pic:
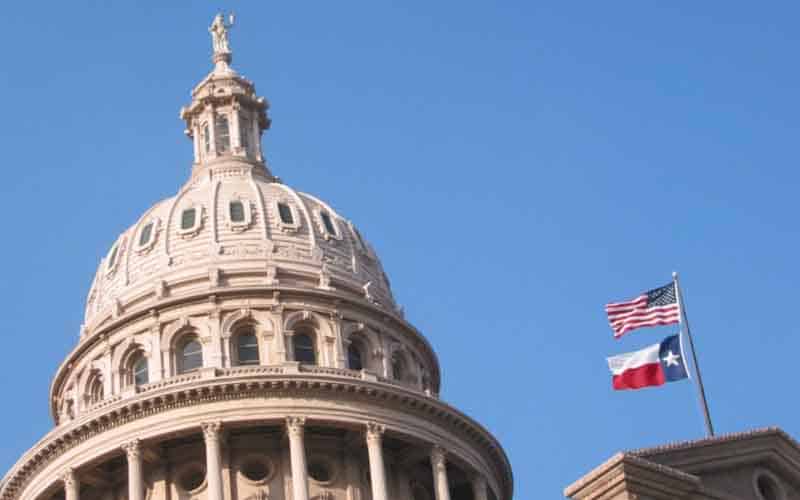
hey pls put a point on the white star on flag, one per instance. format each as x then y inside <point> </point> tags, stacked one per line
<point>671,359</point>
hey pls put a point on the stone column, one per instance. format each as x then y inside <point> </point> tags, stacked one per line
<point>479,488</point>
<point>211,435</point>
<point>133,451</point>
<point>441,486</point>
<point>295,428</point>
<point>72,486</point>
<point>377,469</point>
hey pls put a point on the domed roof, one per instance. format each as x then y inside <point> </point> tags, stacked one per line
<point>233,224</point>
<point>232,227</point>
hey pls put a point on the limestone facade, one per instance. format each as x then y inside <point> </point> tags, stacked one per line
<point>757,465</point>
<point>241,341</point>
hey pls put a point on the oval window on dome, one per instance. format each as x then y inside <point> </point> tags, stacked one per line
<point>285,213</point>
<point>236,211</point>
<point>328,223</point>
<point>112,259</point>
<point>188,218</point>
<point>146,234</point>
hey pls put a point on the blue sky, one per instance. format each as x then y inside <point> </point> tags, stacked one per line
<point>516,165</point>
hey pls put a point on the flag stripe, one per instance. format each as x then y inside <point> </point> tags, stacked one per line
<point>654,307</point>
<point>642,312</point>
<point>644,316</point>
<point>640,325</point>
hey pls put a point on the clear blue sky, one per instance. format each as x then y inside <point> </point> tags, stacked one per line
<point>516,164</point>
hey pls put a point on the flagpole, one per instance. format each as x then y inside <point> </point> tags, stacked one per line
<point>684,322</point>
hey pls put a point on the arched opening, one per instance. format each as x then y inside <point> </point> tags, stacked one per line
<point>355,355</point>
<point>222,134</point>
<point>304,350</point>
<point>140,370</point>
<point>399,368</point>
<point>95,392</point>
<point>190,355</point>
<point>246,345</point>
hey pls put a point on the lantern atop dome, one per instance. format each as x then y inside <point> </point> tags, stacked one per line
<point>225,119</point>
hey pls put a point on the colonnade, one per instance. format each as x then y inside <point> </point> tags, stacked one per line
<point>295,430</point>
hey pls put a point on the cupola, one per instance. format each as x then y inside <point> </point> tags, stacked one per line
<point>226,118</point>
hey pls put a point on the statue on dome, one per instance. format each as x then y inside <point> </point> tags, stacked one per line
<point>219,34</point>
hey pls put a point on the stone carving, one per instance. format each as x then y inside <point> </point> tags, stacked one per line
<point>132,449</point>
<point>375,431</point>
<point>439,458</point>
<point>211,430</point>
<point>219,34</point>
<point>272,273</point>
<point>325,278</point>
<point>295,426</point>
<point>68,478</point>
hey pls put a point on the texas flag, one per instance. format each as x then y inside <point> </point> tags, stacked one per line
<point>652,366</point>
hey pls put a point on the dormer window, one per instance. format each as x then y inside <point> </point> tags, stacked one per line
<point>285,213</point>
<point>328,223</point>
<point>240,217</point>
<point>191,221</point>
<point>288,218</point>
<point>188,219</point>
<point>112,261</point>
<point>236,211</point>
<point>222,134</point>
<point>146,234</point>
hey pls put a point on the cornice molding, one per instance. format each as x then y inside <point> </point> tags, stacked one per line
<point>201,391</point>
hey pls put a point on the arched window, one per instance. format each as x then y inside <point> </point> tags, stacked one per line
<point>355,359</point>
<point>139,370</point>
<point>247,347</point>
<point>95,394</point>
<point>304,351</point>
<point>190,355</point>
<point>222,134</point>
<point>398,367</point>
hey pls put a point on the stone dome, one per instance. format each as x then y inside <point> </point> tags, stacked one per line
<point>234,225</point>
<point>241,342</point>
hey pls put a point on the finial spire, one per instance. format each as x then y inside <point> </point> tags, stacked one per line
<point>219,39</point>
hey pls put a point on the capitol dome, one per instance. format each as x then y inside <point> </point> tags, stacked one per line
<point>241,342</point>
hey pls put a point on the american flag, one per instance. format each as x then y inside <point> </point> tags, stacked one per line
<point>656,307</point>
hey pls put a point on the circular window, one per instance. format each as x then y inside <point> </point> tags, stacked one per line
<point>767,486</point>
<point>192,478</point>
<point>255,470</point>
<point>320,471</point>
